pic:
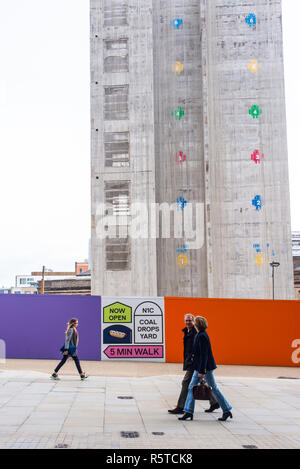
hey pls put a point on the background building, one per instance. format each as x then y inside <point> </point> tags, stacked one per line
<point>296,243</point>
<point>68,283</point>
<point>81,267</point>
<point>19,291</point>
<point>27,290</point>
<point>296,261</point>
<point>187,105</point>
<point>79,285</point>
<point>23,281</point>
<point>76,282</point>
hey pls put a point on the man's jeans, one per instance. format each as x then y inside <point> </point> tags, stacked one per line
<point>185,388</point>
<point>209,377</point>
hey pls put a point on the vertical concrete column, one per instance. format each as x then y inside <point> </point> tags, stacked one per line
<point>249,188</point>
<point>115,27</point>
<point>181,268</point>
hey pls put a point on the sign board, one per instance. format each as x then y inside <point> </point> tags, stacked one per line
<point>133,329</point>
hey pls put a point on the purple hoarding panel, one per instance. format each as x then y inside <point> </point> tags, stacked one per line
<point>33,326</point>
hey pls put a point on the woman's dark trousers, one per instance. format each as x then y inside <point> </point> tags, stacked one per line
<point>63,361</point>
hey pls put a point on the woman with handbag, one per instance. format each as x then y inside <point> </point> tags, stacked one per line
<point>204,364</point>
<point>69,349</point>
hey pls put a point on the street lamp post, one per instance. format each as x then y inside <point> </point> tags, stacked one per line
<point>274,265</point>
<point>43,281</point>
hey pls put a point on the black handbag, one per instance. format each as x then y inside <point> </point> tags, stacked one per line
<point>202,392</point>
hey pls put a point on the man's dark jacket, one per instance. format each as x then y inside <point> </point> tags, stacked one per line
<point>203,359</point>
<point>188,342</point>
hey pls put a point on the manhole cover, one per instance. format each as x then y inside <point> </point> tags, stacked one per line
<point>286,377</point>
<point>130,434</point>
<point>125,397</point>
<point>158,433</point>
<point>61,446</point>
<point>250,447</point>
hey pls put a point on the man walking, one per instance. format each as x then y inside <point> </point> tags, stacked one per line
<point>188,341</point>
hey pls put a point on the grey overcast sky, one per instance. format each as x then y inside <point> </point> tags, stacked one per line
<point>44,132</point>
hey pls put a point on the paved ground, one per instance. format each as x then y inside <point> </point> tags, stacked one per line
<point>137,369</point>
<point>36,412</point>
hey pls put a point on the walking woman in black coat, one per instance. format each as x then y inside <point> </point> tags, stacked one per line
<point>204,364</point>
<point>188,340</point>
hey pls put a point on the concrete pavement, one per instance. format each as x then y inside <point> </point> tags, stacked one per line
<point>36,412</point>
<point>143,369</point>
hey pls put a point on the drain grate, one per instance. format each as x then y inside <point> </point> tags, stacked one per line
<point>130,434</point>
<point>286,377</point>
<point>158,433</point>
<point>61,446</point>
<point>250,447</point>
<point>125,397</point>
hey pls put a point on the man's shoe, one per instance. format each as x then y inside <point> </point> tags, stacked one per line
<point>177,410</point>
<point>213,407</point>
<point>83,377</point>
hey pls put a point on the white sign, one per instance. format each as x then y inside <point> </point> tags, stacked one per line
<point>148,323</point>
<point>132,329</point>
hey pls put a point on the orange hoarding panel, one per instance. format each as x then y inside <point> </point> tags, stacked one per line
<point>242,332</point>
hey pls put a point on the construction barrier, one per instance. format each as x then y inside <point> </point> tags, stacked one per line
<point>32,326</point>
<point>242,332</point>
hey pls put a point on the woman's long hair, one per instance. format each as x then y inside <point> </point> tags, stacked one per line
<point>71,323</point>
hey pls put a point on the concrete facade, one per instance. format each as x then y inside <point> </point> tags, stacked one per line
<point>187,105</point>
<point>244,69</point>
<point>113,21</point>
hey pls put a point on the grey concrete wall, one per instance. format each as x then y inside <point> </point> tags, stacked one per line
<point>174,179</point>
<point>233,135</point>
<point>216,88</point>
<point>140,279</point>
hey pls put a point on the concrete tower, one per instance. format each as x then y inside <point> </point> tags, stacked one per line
<point>188,107</point>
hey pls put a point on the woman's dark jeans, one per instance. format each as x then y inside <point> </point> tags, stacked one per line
<point>63,361</point>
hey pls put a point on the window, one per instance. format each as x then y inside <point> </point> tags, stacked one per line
<point>115,12</point>
<point>117,254</point>
<point>116,102</point>
<point>116,149</point>
<point>116,56</point>
<point>23,281</point>
<point>117,249</point>
<point>117,195</point>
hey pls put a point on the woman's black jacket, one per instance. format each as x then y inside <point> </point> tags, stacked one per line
<point>203,359</point>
